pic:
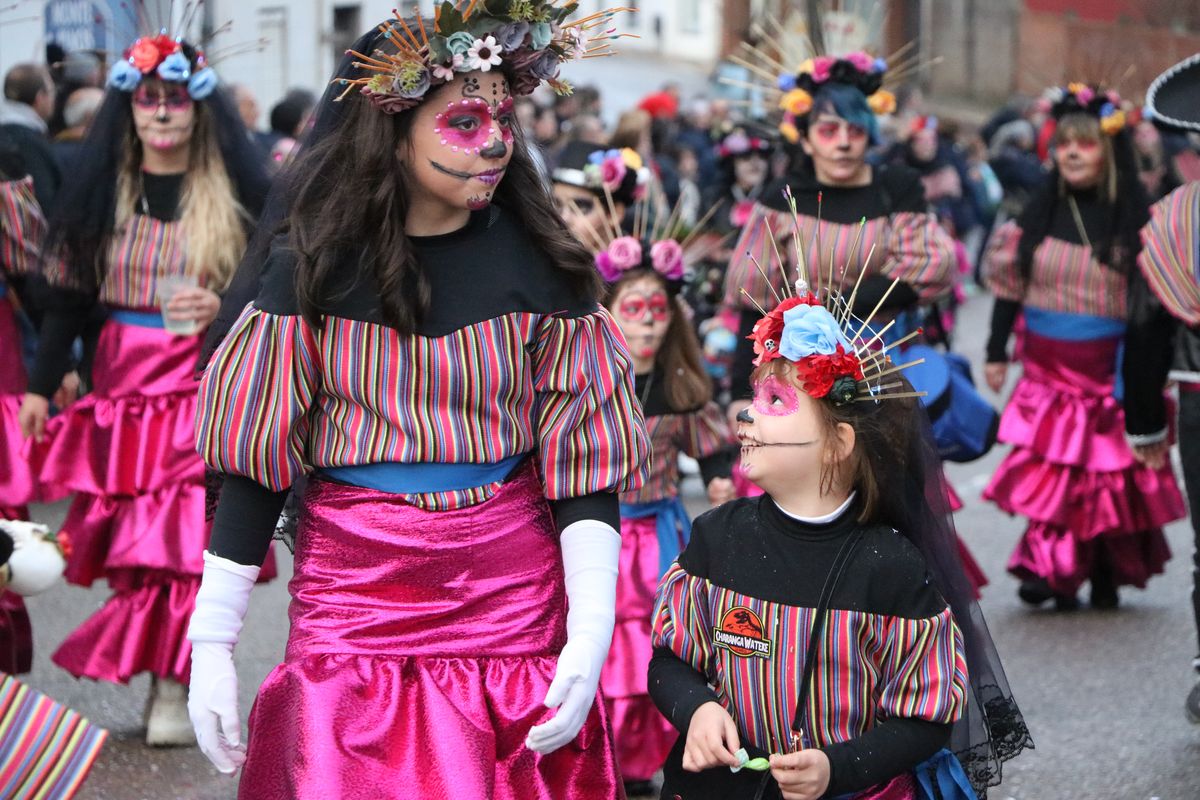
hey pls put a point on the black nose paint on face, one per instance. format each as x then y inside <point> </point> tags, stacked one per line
<point>495,149</point>
<point>744,416</point>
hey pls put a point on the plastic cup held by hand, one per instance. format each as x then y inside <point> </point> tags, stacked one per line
<point>168,286</point>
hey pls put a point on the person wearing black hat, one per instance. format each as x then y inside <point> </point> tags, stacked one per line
<point>586,176</point>
<point>1164,323</point>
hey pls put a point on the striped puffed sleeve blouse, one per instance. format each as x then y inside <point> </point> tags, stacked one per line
<point>732,621</point>
<point>506,362</point>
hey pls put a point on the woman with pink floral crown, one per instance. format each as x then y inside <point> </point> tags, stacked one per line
<point>416,333</point>
<point>644,272</point>
<point>1095,513</point>
<point>151,227</point>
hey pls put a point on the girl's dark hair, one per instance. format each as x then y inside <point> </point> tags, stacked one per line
<point>687,385</point>
<point>349,181</point>
<point>1121,193</point>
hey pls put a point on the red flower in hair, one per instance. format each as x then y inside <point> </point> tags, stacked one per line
<point>148,52</point>
<point>769,329</point>
<point>818,373</point>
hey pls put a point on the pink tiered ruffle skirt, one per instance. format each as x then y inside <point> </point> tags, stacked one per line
<point>1073,476</point>
<point>643,736</point>
<point>137,519</point>
<point>17,486</point>
<point>422,645</point>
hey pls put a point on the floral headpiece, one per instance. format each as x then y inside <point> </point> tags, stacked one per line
<point>607,169</point>
<point>659,240</point>
<point>859,70</point>
<point>836,355</point>
<point>165,57</point>
<point>1080,98</point>
<point>532,37</point>
<point>739,142</point>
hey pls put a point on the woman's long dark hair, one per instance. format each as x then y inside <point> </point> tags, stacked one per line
<point>84,209</point>
<point>348,185</point>
<point>1124,199</point>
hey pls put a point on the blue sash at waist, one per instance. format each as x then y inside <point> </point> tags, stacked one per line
<point>1080,328</point>
<point>941,770</point>
<point>671,523</point>
<point>420,477</point>
<point>1072,327</point>
<point>142,319</point>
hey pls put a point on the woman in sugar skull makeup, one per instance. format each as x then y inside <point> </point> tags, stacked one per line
<point>416,331</point>
<point>645,273</point>
<point>1095,512</point>
<point>163,193</point>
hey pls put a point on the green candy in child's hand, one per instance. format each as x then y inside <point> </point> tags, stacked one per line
<point>746,762</point>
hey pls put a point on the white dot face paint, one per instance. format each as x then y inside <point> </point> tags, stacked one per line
<point>462,139</point>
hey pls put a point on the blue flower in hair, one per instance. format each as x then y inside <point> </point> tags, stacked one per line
<point>600,156</point>
<point>1107,109</point>
<point>124,76</point>
<point>540,35</point>
<point>881,65</point>
<point>786,82</point>
<point>202,83</point>
<point>175,68</point>
<point>809,330</point>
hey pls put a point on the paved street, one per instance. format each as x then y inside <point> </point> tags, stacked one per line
<point>1102,691</point>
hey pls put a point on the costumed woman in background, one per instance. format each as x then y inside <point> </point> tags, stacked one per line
<point>1095,514</point>
<point>440,363</point>
<point>820,640</point>
<point>1163,335</point>
<point>161,198</point>
<point>594,187</point>
<point>644,272</point>
<point>22,229</point>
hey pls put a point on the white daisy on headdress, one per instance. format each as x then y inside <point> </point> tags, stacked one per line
<point>484,54</point>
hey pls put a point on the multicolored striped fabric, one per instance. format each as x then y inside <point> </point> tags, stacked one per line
<point>908,246</point>
<point>46,749</point>
<point>1170,257</point>
<point>869,667</point>
<point>698,434</point>
<point>22,227</point>
<point>1065,277</point>
<point>146,252</point>
<point>279,399</point>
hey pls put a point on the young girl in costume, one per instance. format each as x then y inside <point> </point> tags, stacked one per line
<point>810,642</point>
<point>1095,514</point>
<point>163,192</point>
<point>593,187</point>
<point>423,339</point>
<point>644,273</point>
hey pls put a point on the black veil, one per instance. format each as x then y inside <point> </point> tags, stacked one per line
<point>915,501</point>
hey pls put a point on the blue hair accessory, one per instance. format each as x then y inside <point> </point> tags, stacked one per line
<point>124,76</point>
<point>202,83</point>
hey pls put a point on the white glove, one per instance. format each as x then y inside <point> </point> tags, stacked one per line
<point>212,697</point>
<point>36,563</point>
<point>591,551</point>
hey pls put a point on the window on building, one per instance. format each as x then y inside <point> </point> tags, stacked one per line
<point>689,16</point>
<point>347,25</point>
<point>273,77</point>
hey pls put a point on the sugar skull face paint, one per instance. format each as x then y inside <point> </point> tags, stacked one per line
<point>838,150</point>
<point>462,139</point>
<point>775,398</point>
<point>643,313</point>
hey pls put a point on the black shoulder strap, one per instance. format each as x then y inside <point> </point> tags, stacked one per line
<point>840,562</point>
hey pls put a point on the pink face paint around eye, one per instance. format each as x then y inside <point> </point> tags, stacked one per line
<point>466,124</point>
<point>775,398</point>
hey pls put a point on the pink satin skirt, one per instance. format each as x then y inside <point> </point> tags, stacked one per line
<point>1073,476</point>
<point>137,520</point>
<point>643,736</point>
<point>422,645</point>
<point>17,486</point>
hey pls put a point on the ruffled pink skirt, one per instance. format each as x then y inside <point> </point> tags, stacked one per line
<point>127,451</point>
<point>422,645</point>
<point>1073,476</point>
<point>643,736</point>
<point>17,486</point>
